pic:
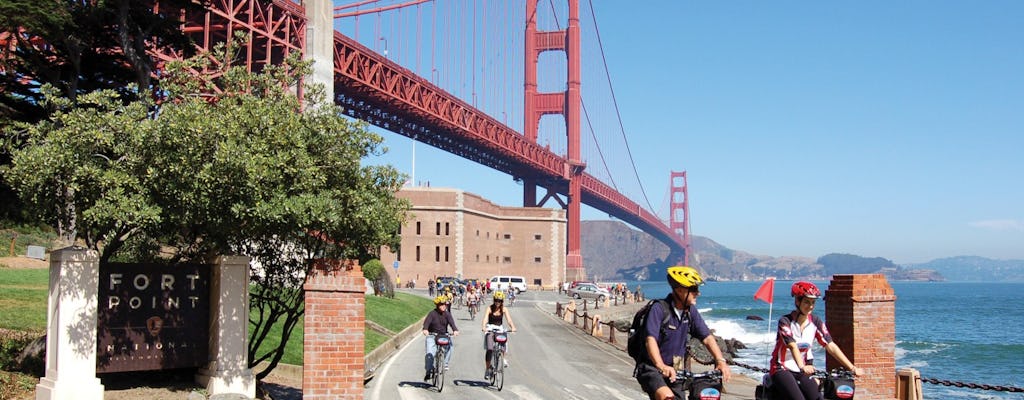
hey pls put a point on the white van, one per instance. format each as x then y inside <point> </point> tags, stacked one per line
<point>501,282</point>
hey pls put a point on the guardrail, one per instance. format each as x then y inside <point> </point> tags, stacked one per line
<point>592,323</point>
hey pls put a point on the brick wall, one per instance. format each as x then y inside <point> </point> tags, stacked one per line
<point>459,233</point>
<point>333,345</point>
<point>860,314</point>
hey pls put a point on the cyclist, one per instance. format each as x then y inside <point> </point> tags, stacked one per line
<point>510,293</point>
<point>437,323</point>
<point>496,315</point>
<point>666,345</point>
<point>792,361</point>
<point>472,299</point>
<point>448,293</point>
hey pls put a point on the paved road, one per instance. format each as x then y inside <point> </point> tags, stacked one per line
<point>549,359</point>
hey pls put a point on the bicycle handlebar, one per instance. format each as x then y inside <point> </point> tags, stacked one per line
<point>841,373</point>
<point>713,374</point>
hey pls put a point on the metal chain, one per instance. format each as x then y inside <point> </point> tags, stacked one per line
<point>999,388</point>
<point>750,367</point>
<point>933,381</point>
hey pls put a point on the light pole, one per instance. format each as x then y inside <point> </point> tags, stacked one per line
<point>385,40</point>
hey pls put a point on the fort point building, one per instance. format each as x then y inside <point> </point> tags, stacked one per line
<point>451,232</point>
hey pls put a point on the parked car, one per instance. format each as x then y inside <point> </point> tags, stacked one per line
<point>447,280</point>
<point>589,291</point>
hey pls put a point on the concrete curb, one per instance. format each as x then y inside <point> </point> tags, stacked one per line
<point>386,349</point>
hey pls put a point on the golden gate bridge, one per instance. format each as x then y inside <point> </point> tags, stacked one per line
<point>503,84</point>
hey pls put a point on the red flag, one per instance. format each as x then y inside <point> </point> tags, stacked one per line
<point>765,292</point>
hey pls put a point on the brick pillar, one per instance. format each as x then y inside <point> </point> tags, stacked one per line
<point>860,312</point>
<point>334,322</point>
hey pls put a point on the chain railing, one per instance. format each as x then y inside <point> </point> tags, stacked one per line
<point>999,388</point>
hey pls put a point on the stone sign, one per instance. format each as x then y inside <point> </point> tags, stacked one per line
<point>152,317</point>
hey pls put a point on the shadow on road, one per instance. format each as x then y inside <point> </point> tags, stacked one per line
<point>417,384</point>
<point>460,382</point>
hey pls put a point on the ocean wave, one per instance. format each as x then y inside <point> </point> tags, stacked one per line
<point>729,329</point>
<point>905,348</point>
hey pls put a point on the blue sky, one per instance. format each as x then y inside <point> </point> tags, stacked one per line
<point>876,128</point>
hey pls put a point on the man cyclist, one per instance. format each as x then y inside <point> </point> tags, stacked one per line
<point>437,323</point>
<point>666,344</point>
<point>497,314</point>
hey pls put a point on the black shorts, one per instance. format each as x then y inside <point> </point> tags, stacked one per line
<point>651,379</point>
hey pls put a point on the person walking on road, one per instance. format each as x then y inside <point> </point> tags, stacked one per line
<point>437,323</point>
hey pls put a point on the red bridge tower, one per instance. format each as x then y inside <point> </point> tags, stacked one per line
<point>565,103</point>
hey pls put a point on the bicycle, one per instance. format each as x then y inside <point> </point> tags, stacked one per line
<point>443,345</point>
<point>473,309</point>
<point>700,386</point>
<point>457,301</point>
<point>837,384</point>
<point>497,361</point>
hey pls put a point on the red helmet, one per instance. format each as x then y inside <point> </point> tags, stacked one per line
<point>805,289</point>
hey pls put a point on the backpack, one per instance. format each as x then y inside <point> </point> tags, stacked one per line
<point>636,345</point>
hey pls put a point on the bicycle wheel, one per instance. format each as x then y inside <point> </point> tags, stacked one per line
<point>439,369</point>
<point>497,369</point>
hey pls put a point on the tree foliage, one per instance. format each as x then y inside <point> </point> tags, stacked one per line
<point>250,170</point>
<point>373,270</point>
<point>76,47</point>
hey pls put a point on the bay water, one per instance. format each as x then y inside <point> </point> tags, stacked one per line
<point>971,332</point>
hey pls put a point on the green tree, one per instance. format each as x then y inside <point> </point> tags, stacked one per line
<point>247,168</point>
<point>76,47</point>
<point>373,269</point>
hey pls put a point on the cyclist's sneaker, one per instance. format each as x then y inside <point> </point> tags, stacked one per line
<point>487,374</point>
<point>505,362</point>
<point>427,376</point>
<point>446,367</point>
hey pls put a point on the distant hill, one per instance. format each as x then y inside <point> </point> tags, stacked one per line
<point>613,250</point>
<point>973,268</point>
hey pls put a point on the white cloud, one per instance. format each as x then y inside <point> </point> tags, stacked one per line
<point>999,224</point>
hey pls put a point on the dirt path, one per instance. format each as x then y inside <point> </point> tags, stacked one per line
<point>20,262</point>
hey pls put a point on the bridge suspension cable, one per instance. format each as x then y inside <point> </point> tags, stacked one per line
<point>618,114</point>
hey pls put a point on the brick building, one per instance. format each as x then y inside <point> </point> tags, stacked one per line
<point>454,233</point>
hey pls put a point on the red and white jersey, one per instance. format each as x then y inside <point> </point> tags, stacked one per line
<point>791,332</point>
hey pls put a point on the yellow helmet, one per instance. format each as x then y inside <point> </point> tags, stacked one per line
<point>440,300</point>
<point>684,276</point>
<point>499,295</point>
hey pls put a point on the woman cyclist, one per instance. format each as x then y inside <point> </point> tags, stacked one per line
<point>792,361</point>
<point>437,323</point>
<point>496,313</point>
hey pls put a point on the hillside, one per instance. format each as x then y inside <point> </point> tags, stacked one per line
<point>613,250</point>
<point>972,268</point>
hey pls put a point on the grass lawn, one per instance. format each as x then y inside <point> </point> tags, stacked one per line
<point>394,314</point>
<point>23,296</point>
